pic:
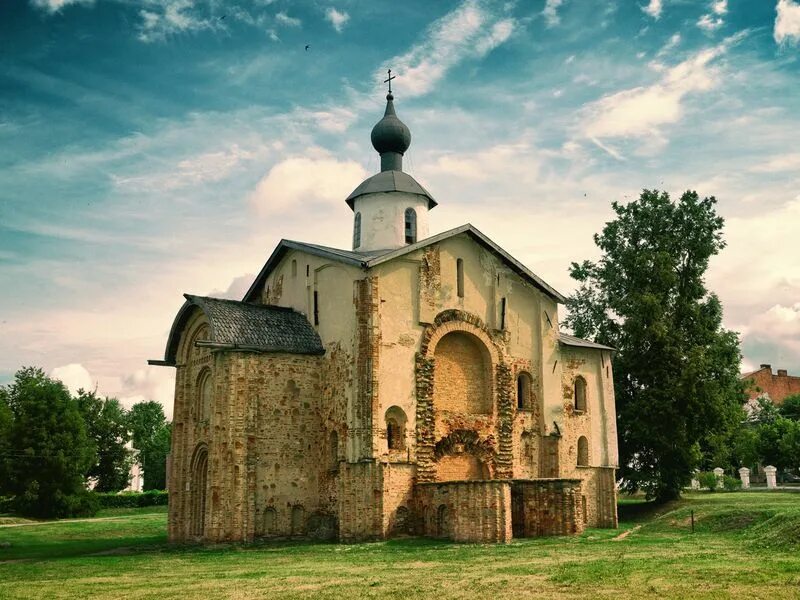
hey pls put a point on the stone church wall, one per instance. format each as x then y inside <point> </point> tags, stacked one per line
<point>465,511</point>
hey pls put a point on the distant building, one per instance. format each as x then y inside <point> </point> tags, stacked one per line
<point>763,384</point>
<point>136,475</point>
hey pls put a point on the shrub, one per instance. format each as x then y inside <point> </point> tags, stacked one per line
<point>731,484</point>
<point>134,499</point>
<point>60,506</point>
<point>6,505</point>
<point>708,480</point>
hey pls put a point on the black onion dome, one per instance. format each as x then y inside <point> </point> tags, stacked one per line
<point>390,134</point>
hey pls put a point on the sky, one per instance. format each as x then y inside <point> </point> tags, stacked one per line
<point>152,148</point>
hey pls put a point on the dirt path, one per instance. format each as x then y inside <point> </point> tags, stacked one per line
<point>625,534</point>
<point>92,520</point>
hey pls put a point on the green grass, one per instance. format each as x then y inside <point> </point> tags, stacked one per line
<point>744,545</point>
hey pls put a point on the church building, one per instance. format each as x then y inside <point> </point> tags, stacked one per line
<point>414,384</point>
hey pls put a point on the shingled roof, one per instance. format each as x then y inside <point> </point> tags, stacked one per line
<point>245,327</point>
<point>571,340</point>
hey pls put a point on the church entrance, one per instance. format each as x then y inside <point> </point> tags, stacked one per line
<point>198,491</point>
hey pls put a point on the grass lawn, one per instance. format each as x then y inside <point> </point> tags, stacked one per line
<point>746,545</point>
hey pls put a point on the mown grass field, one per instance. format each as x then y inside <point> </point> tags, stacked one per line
<point>746,545</point>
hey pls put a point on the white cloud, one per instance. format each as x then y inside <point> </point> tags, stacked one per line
<point>194,170</point>
<point>643,111</point>
<point>787,22</point>
<point>671,44</point>
<point>653,9</point>
<point>164,18</point>
<point>337,19</point>
<point>550,12</point>
<point>299,183</point>
<point>75,376</point>
<point>719,7</point>
<point>781,163</point>
<point>470,31</point>
<point>53,6</point>
<point>286,20</point>
<point>710,23</point>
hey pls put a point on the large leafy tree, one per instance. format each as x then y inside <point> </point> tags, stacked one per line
<point>151,436</point>
<point>5,439</point>
<point>49,450</point>
<point>676,370</point>
<point>107,426</point>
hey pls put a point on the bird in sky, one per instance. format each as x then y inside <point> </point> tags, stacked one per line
<point>307,47</point>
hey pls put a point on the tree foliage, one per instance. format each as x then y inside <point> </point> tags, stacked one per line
<point>152,437</point>
<point>676,370</point>
<point>107,426</point>
<point>790,407</point>
<point>48,451</point>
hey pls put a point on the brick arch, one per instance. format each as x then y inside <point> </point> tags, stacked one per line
<point>501,394</point>
<point>449,321</point>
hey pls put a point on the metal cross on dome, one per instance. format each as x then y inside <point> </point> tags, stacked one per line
<point>389,80</point>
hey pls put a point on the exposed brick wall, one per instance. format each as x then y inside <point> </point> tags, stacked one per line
<point>461,378</point>
<point>361,514</point>
<point>776,386</point>
<point>458,467</point>
<point>474,511</point>
<point>368,337</point>
<point>599,488</point>
<point>547,507</point>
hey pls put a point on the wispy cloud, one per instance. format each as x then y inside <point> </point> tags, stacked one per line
<point>53,6</point>
<point>164,18</point>
<point>470,31</point>
<point>284,19</point>
<point>777,164</point>
<point>337,19</point>
<point>653,9</point>
<point>550,12</point>
<point>787,22</point>
<point>642,112</point>
<point>714,19</point>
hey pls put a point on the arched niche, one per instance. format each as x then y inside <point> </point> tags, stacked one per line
<point>580,394</point>
<point>198,488</point>
<point>462,374</point>
<point>583,451</point>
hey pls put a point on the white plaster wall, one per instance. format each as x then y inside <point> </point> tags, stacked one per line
<point>383,219</point>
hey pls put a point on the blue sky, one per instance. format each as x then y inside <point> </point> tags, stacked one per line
<point>157,147</point>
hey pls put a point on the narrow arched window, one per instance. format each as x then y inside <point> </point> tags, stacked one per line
<point>294,268</point>
<point>460,277</point>
<point>523,391</point>
<point>580,394</point>
<point>411,226</point>
<point>583,452</point>
<point>357,231</point>
<point>395,429</point>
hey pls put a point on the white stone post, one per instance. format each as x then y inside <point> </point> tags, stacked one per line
<point>770,472</point>
<point>719,473</point>
<point>744,475</point>
<point>695,482</point>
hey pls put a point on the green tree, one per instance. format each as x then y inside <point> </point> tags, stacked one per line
<point>151,436</point>
<point>779,443</point>
<point>676,370</point>
<point>154,458</point>
<point>6,420</point>
<point>50,451</point>
<point>107,426</point>
<point>144,420</point>
<point>790,408</point>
